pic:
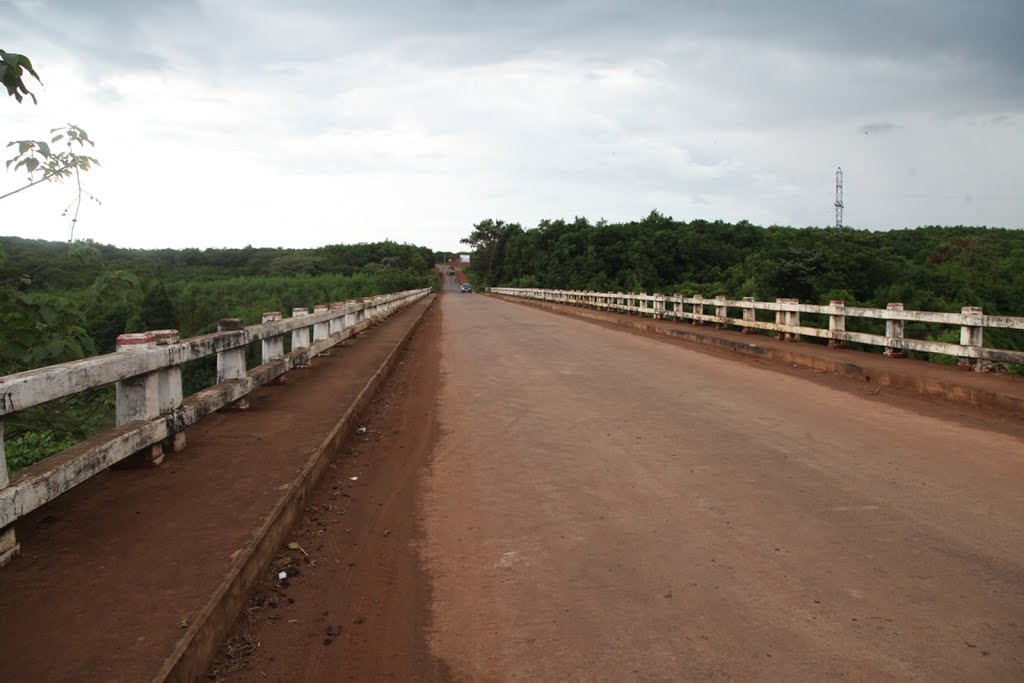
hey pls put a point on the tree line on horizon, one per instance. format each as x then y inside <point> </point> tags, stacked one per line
<point>929,268</point>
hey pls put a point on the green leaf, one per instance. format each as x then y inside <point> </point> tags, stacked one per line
<point>48,315</point>
<point>27,63</point>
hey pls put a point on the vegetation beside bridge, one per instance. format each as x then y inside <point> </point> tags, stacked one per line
<point>61,302</point>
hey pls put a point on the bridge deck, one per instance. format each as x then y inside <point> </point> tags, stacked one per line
<point>544,498</point>
<point>111,571</point>
<point>605,506</point>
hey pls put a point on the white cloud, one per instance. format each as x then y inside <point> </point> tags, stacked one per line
<point>302,125</point>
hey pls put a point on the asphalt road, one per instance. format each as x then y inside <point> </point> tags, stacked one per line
<point>606,506</point>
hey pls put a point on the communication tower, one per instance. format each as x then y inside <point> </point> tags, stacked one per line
<point>839,198</point>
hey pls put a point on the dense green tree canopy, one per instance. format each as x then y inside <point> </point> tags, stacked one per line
<point>928,268</point>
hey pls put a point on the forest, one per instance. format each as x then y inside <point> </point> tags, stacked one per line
<point>928,268</point>
<point>61,302</point>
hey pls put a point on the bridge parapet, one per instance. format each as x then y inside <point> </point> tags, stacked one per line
<point>971,320</point>
<point>151,412</point>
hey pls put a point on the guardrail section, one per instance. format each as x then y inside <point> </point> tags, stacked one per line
<point>971,320</point>
<point>151,411</point>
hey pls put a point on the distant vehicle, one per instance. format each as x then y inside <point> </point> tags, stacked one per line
<point>467,288</point>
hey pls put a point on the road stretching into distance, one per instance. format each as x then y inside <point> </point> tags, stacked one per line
<point>603,505</point>
<point>599,505</point>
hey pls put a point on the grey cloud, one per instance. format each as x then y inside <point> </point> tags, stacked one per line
<point>878,128</point>
<point>980,32</point>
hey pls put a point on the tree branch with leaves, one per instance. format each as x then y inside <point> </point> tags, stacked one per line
<point>12,71</point>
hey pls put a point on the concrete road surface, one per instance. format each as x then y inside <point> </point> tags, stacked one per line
<point>605,506</point>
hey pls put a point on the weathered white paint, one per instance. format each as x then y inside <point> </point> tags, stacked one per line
<point>335,324</point>
<point>836,323</point>
<point>33,387</point>
<point>272,347</point>
<point>971,320</point>
<point>300,336</point>
<point>138,397</point>
<point>351,310</point>
<point>230,362</point>
<point>321,330</point>
<point>749,314</point>
<point>150,409</point>
<point>168,378</point>
<point>971,331</point>
<point>894,333</point>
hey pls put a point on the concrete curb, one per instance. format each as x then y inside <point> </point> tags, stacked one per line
<point>195,650</point>
<point>845,367</point>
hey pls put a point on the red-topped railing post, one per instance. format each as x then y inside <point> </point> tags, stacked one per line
<point>138,397</point>
<point>169,387</point>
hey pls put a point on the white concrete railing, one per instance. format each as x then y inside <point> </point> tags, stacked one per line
<point>151,411</point>
<point>970,320</point>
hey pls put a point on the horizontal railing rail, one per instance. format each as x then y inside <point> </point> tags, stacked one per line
<point>151,411</point>
<point>971,320</point>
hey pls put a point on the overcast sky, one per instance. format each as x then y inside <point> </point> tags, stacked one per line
<point>226,123</point>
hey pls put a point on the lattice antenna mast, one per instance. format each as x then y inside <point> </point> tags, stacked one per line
<point>839,198</point>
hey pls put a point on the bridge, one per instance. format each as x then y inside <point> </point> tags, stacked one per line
<point>530,484</point>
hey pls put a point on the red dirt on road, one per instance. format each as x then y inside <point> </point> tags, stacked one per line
<point>565,501</point>
<point>112,571</point>
<point>359,572</point>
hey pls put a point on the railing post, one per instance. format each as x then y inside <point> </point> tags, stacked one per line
<point>659,305</point>
<point>321,331</point>
<point>273,347</point>
<point>781,318</point>
<point>169,387</point>
<point>335,326</point>
<point>9,547</point>
<point>749,315</point>
<point>793,318</point>
<point>698,309</point>
<point>231,362</point>
<point>350,314</point>
<point>300,336</point>
<point>971,334</point>
<point>837,324</point>
<point>721,311</point>
<point>894,333</point>
<point>138,398</point>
